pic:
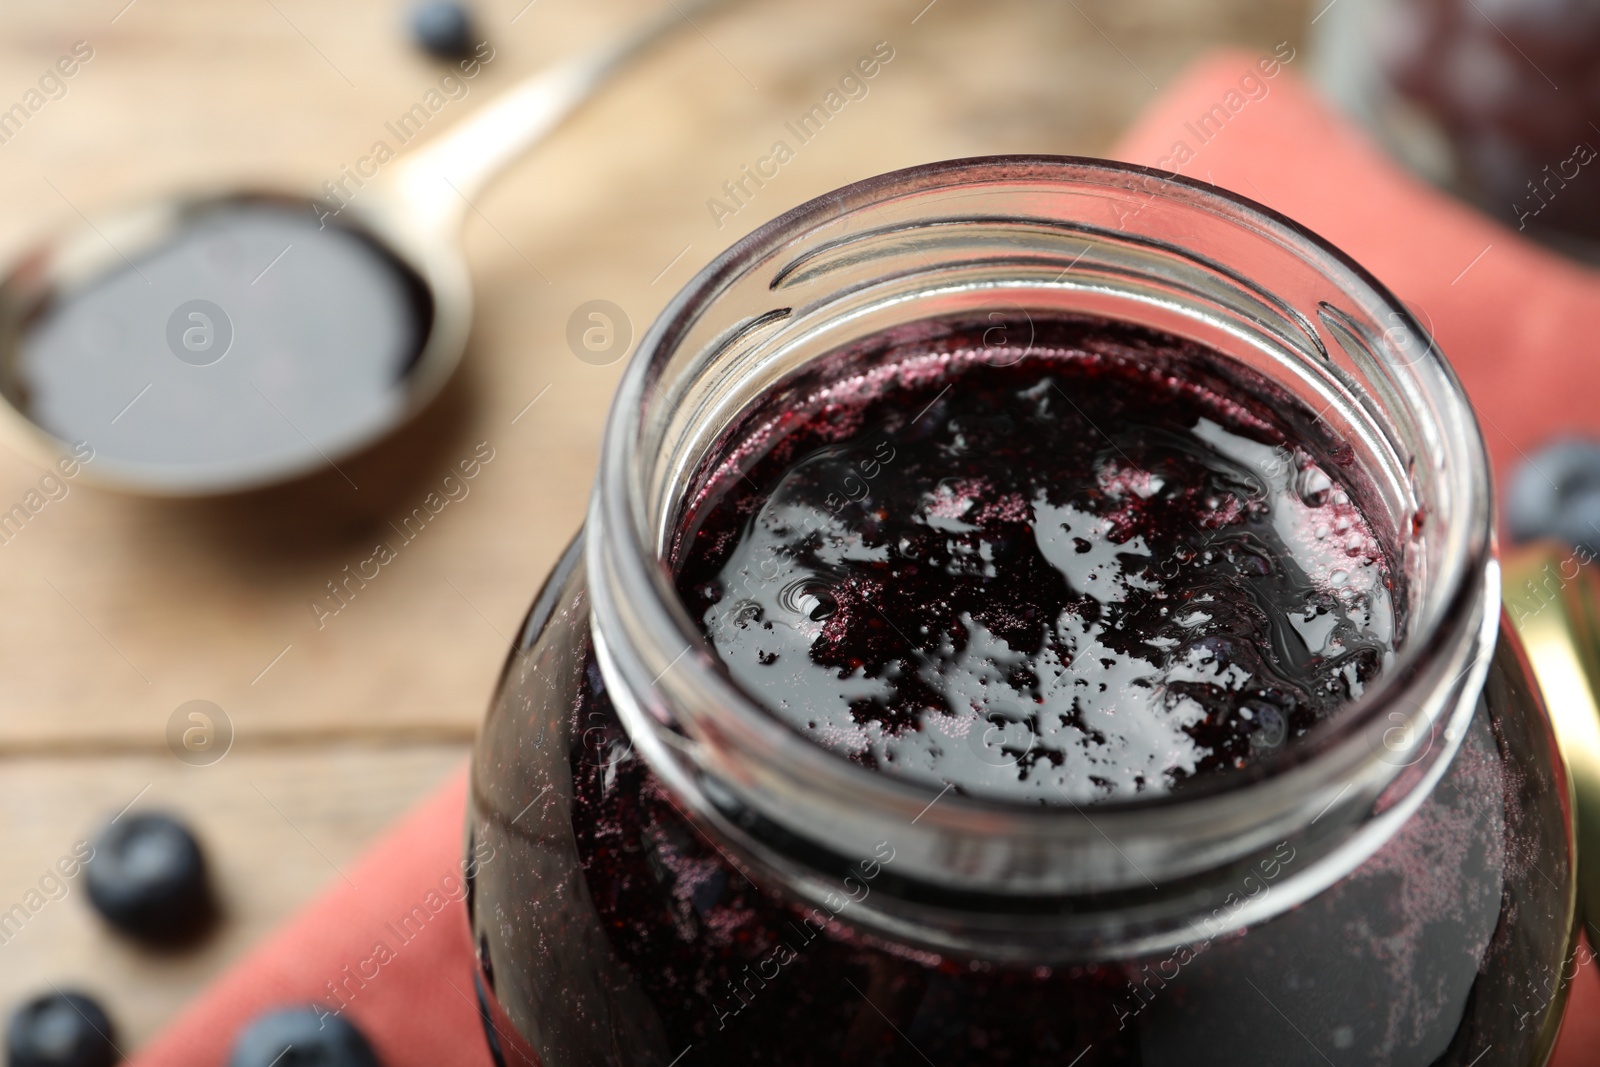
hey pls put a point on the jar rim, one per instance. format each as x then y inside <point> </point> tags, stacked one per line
<point>634,593</point>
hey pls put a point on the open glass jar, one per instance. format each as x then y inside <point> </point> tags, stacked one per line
<point>683,877</point>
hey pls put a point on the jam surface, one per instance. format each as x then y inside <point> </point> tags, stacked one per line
<point>1098,565</point>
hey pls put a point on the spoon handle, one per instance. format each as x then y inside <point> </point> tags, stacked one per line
<point>437,183</point>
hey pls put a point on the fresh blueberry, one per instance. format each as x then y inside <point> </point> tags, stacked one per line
<point>60,1030</point>
<point>301,1037</point>
<point>1556,494</point>
<point>442,28</point>
<point>148,879</point>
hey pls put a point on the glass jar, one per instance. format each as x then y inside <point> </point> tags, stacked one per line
<point>680,878</point>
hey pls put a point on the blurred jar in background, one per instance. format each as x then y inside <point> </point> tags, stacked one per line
<point>1496,100</point>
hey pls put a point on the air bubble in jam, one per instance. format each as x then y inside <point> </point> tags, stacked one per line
<point>1102,571</point>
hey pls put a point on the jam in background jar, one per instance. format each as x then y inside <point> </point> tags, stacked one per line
<point>1498,100</point>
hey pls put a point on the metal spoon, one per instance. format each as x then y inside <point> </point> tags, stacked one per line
<point>220,342</point>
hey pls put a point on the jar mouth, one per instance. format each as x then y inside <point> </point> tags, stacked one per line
<point>1371,351</point>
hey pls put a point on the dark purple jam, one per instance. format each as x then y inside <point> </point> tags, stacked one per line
<point>1111,566</point>
<point>1115,566</point>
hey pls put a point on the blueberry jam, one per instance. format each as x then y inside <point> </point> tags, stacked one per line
<point>1108,567</point>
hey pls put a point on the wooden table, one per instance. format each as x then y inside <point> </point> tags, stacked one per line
<point>119,610</point>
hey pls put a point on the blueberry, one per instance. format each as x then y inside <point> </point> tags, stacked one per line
<point>442,28</point>
<point>60,1030</point>
<point>148,879</point>
<point>301,1037</point>
<point>1556,494</point>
